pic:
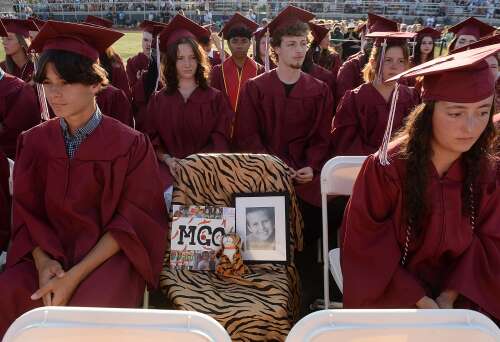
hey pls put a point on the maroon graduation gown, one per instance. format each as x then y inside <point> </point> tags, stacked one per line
<point>136,66</point>
<point>450,255</point>
<point>19,111</point>
<point>349,75</point>
<point>199,125</point>
<point>25,73</point>
<point>361,119</point>
<point>293,128</point>
<point>120,79</point>
<point>111,185</point>
<point>113,102</point>
<point>4,202</point>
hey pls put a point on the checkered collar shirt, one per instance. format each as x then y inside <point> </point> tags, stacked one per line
<point>2,73</point>
<point>73,141</point>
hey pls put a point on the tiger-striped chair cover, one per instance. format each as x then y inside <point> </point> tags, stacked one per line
<point>264,304</point>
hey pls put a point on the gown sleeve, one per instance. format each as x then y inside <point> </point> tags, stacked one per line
<point>31,227</point>
<point>139,224</point>
<point>370,252</point>
<point>476,274</point>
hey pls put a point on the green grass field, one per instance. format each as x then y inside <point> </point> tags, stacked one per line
<point>128,46</point>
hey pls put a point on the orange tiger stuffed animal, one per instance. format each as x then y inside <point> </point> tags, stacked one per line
<point>230,260</point>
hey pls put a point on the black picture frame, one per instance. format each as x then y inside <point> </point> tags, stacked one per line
<point>280,254</point>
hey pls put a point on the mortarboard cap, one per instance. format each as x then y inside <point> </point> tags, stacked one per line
<point>152,27</point>
<point>289,16</point>
<point>181,27</point>
<point>19,26</point>
<point>85,40</point>
<point>377,23</point>
<point>361,28</point>
<point>91,19</point>
<point>318,31</point>
<point>480,43</point>
<point>462,77</point>
<point>391,37</point>
<point>472,27</point>
<point>428,32</point>
<point>3,31</point>
<point>237,20</point>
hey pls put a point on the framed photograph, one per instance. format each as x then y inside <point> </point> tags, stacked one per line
<point>262,223</point>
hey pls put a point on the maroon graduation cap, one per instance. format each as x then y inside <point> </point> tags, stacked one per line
<point>92,19</point>
<point>19,26</point>
<point>428,32</point>
<point>376,23</point>
<point>181,27</point>
<point>237,20</point>
<point>289,16</point>
<point>462,77</point>
<point>152,27</point>
<point>318,31</point>
<point>86,40</point>
<point>472,27</point>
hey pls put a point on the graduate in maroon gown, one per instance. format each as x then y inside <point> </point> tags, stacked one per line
<point>318,72</point>
<point>89,220</point>
<point>467,32</point>
<point>322,53</point>
<point>138,64</point>
<point>350,75</point>
<point>230,76</point>
<point>285,112</point>
<point>5,202</point>
<point>17,61</point>
<point>422,227</point>
<point>359,124</point>
<point>18,108</point>
<point>110,59</point>
<point>187,116</point>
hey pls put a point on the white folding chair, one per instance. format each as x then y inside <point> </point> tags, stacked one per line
<point>78,324</point>
<point>395,326</point>
<point>337,178</point>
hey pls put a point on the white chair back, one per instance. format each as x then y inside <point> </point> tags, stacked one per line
<point>72,324</point>
<point>395,326</point>
<point>337,178</point>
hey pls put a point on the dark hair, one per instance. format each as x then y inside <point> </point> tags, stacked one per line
<point>9,62</point>
<point>238,31</point>
<point>415,148</point>
<point>169,65</point>
<point>71,67</point>
<point>205,40</point>
<point>417,58</point>
<point>371,68</point>
<point>296,29</point>
<point>308,61</point>
<point>108,59</point>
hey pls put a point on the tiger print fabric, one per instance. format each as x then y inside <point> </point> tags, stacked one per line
<point>263,304</point>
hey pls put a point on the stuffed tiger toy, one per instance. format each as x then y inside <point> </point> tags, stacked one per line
<point>230,260</point>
